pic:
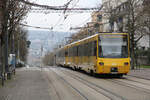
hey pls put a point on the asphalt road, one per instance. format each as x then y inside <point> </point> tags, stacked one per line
<point>56,83</point>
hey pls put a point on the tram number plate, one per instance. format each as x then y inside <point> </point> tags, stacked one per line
<point>114,70</point>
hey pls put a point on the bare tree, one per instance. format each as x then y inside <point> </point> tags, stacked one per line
<point>49,59</point>
<point>21,48</point>
<point>13,13</point>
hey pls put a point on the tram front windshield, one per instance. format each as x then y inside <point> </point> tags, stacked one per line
<point>113,46</point>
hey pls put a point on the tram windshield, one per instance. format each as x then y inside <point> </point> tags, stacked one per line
<point>113,46</point>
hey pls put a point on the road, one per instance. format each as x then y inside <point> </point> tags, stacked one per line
<point>57,83</point>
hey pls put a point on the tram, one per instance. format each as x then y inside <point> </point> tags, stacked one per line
<point>103,53</point>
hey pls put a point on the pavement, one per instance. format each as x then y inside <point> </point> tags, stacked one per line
<point>26,85</point>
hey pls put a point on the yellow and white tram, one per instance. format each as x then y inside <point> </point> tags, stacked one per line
<point>103,53</point>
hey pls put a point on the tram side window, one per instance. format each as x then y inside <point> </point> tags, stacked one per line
<point>80,50</point>
<point>72,51</point>
<point>75,51</point>
<point>95,48</point>
<point>66,53</point>
<point>81,53</point>
<point>90,49</point>
<point>85,49</point>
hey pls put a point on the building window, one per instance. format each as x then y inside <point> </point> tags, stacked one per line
<point>99,18</point>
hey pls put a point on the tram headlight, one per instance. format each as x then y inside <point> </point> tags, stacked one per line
<point>101,63</point>
<point>126,63</point>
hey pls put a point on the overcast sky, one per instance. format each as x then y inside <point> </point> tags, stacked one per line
<point>56,20</point>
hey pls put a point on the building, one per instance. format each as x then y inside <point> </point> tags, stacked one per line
<point>90,28</point>
<point>112,3</point>
<point>108,6</point>
<point>115,18</point>
<point>96,23</point>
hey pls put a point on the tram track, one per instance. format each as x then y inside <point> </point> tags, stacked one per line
<point>99,89</point>
<point>139,77</point>
<point>131,85</point>
<point>53,87</point>
<point>134,80</point>
<point>121,83</point>
<point>76,90</point>
<point>128,82</point>
<point>125,84</point>
<point>66,82</point>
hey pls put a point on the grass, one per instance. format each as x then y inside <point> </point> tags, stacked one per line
<point>144,66</point>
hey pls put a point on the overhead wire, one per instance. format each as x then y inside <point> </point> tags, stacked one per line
<point>57,8</point>
<point>41,6</point>
<point>47,7</point>
<point>37,27</point>
<point>73,5</point>
<point>59,20</point>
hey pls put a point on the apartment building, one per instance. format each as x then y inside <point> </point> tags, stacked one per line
<point>96,23</point>
<point>115,18</point>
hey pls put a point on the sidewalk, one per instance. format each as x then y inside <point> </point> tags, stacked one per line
<point>28,85</point>
<point>141,73</point>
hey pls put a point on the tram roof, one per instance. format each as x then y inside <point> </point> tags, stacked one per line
<point>101,33</point>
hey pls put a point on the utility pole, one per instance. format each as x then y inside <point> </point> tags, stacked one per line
<point>149,39</point>
<point>41,56</point>
<point>149,35</point>
<point>6,52</point>
<point>13,52</point>
<point>2,61</point>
